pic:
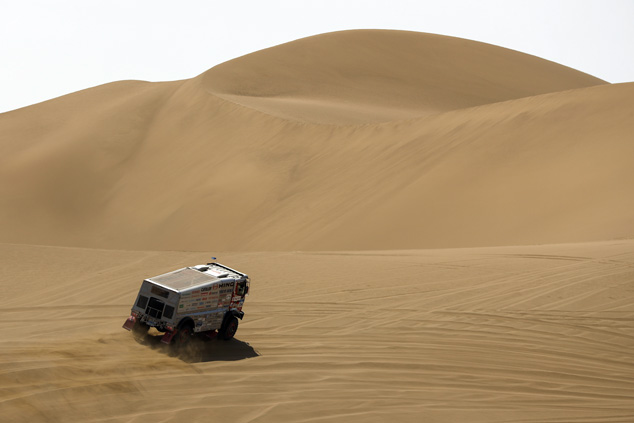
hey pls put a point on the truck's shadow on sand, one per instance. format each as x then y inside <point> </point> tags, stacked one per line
<point>202,350</point>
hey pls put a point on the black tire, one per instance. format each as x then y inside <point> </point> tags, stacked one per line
<point>183,337</point>
<point>229,328</point>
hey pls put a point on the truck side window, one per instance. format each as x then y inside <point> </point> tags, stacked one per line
<point>241,288</point>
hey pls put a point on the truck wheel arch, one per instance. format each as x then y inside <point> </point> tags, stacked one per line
<point>228,315</point>
<point>186,321</point>
<point>236,313</point>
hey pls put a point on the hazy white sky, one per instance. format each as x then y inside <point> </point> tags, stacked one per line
<point>50,48</point>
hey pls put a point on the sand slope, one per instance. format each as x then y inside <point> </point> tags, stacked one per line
<point>177,165</point>
<point>514,334</point>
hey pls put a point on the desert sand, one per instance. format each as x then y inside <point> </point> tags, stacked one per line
<point>436,229</point>
<point>498,334</point>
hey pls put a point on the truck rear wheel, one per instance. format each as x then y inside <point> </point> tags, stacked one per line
<point>183,337</point>
<point>228,330</point>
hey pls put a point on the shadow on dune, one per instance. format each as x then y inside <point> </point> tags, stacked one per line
<point>201,349</point>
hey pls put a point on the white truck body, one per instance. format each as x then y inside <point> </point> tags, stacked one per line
<point>201,296</point>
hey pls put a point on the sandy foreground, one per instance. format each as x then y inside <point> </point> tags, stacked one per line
<point>505,334</point>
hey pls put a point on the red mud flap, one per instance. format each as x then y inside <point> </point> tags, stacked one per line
<point>167,338</point>
<point>129,324</point>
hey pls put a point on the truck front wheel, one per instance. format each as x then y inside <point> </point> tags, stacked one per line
<point>229,329</point>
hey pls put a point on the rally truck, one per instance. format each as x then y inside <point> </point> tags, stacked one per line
<point>206,298</point>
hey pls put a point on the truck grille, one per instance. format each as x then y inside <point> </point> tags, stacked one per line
<point>155,308</point>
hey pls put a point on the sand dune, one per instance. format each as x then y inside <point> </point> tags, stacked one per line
<point>371,76</point>
<point>169,166</point>
<point>243,157</point>
<point>510,334</point>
